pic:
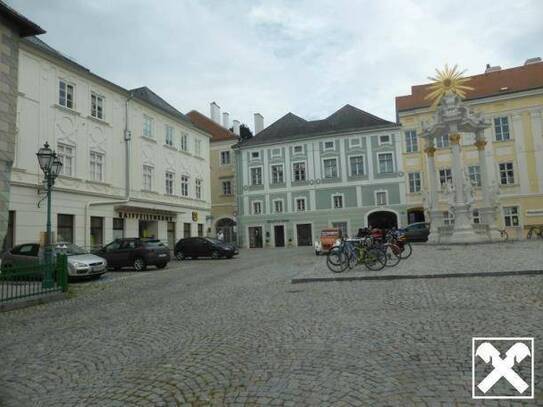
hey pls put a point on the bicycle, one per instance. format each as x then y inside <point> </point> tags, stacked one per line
<point>504,235</point>
<point>535,232</point>
<point>347,255</point>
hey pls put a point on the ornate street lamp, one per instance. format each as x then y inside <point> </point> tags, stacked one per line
<point>51,166</point>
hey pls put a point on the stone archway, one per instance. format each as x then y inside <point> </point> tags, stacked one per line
<point>228,228</point>
<point>382,219</point>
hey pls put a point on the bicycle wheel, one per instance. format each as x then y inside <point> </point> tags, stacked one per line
<point>504,235</point>
<point>375,259</point>
<point>532,234</point>
<point>336,260</point>
<point>407,250</point>
<point>393,253</point>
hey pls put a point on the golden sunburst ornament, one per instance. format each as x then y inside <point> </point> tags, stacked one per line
<point>447,80</point>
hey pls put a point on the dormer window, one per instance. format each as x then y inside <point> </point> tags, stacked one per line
<point>385,139</point>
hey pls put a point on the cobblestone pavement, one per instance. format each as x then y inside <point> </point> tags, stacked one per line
<point>236,332</point>
<point>429,259</point>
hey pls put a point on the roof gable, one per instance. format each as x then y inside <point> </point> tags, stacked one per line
<point>217,132</point>
<point>291,126</point>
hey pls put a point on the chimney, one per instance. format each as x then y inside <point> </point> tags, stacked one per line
<point>226,120</point>
<point>259,123</point>
<point>215,112</point>
<point>235,124</point>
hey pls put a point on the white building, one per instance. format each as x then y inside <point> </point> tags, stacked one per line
<point>133,165</point>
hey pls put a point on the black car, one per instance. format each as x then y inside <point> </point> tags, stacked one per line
<point>195,247</point>
<point>417,232</point>
<point>135,252</point>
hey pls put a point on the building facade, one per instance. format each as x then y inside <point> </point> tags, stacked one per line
<point>224,208</point>
<point>13,26</point>
<point>297,177</point>
<point>512,101</point>
<point>132,164</point>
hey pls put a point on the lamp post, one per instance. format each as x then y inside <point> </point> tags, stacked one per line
<point>51,165</point>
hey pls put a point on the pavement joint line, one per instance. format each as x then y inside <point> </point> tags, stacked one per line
<point>303,280</point>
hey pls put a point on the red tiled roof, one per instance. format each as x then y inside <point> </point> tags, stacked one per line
<point>217,132</point>
<point>517,79</point>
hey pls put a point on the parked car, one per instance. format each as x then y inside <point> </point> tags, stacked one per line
<point>195,247</point>
<point>327,240</point>
<point>81,263</point>
<point>417,232</point>
<point>135,252</point>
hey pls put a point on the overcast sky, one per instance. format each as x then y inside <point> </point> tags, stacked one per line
<point>309,57</point>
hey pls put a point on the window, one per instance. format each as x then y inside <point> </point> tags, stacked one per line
<point>184,185</point>
<point>381,198</point>
<point>474,173</point>
<point>256,176</point>
<point>386,163</point>
<point>118,228</point>
<point>300,204</point>
<point>200,229</point>
<point>328,145</point>
<point>276,152</point>
<point>330,168</point>
<point>442,141</point>
<point>255,155</point>
<point>147,126</point>
<point>448,218</point>
<point>97,106</point>
<point>445,176</point>
<point>66,156</point>
<point>147,178</point>
<point>510,216</point>
<point>357,165</point>
<point>298,149</point>
<point>198,147</point>
<point>507,175</point>
<point>169,136</point>
<point>476,216</point>
<point>225,157</point>
<point>277,174</point>
<point>385,139</point>
<point>341,226</point>
<point>337,201</point>
<point>96,166</point>
<point>198,185</point>
<point>278,206</point>
<point>66,94</point>
<point>227,188</point>
<point>298,170</point>
<point>257,208</point>
<point>414,182</point>
<point>169,183</point>
<point>65,228</point>
<point>184,142</point>
<point>501,128</point>
<point>354,142</point>
<point>411,142</point>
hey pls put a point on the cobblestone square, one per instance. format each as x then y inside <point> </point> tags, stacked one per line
<point>237,332</point>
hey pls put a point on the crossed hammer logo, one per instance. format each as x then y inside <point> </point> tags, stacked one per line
<point>503,367</point>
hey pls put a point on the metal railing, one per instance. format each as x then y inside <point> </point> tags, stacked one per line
<point>18,282</point>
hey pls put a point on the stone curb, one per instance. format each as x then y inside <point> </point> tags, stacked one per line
<point>414,276</point>
<point>29,302</point>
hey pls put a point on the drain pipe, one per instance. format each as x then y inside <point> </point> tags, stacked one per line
<point>127,138</point>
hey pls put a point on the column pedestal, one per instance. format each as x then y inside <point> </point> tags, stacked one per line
<point>436,220</point>
<point>488,217</point>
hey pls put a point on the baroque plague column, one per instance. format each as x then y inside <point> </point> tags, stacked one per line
<point>452,119</point>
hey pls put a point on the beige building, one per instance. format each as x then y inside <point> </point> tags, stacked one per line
<point>223,182</point>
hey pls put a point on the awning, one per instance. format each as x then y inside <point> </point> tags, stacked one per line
<point>136,212</point>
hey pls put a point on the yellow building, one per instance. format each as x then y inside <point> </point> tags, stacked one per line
<point>512,100</point>
<point>223,180</point>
